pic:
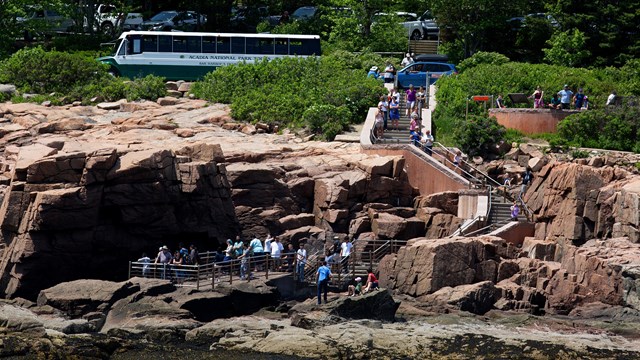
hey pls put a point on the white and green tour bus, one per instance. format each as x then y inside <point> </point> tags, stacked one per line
<point>190,55</point>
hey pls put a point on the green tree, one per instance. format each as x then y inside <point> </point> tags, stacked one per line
<point>567,49</point>
<point>610,27</point>
<point>478,24</point>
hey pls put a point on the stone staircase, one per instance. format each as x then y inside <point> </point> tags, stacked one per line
<point>500,213</point>
<point>402,135</point>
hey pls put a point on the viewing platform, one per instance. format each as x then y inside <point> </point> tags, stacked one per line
<point>531,121</point>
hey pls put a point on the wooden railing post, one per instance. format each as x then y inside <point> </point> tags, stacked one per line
<point>129,276</point>
<point>266,266</point>
<point>197,277</point>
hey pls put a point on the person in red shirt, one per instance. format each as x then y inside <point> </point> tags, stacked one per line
<point>372,281</point>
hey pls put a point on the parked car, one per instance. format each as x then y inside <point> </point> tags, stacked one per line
<point>304,13</point>
<point>246,19</point>
<point>108,19</point>
<point>519,22</point>
<point>174,20</point>
<point>308,13</point>
<point>410,21</point>
<point>429,25</point>
<point>40,21</point>
<point>416,73</point>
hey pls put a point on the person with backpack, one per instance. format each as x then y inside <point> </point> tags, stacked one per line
<point>184,254</point>
<point>578,99</point>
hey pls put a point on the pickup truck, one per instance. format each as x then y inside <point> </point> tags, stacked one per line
<point>108,19</point>
<point>409,20</point>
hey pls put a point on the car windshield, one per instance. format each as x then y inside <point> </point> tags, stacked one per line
<point>303,12</point>
<point>164,16</point>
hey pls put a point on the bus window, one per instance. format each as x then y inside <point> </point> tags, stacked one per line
<point>194,44</point>
<point>150,43</point>
<point>137,45</point>
<point>252,46</point>
<point>266,46</point>
<point>179,44</point>
<point>310,47</point>
<point>282,46</point>
<point>209,45</point>
<point>237,45</point>
<point>223,45</point>
<point>295,47</point>
<point>165,43</point>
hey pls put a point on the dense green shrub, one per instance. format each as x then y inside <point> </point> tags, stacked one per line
<point>512,77</point>
<point>328,120</point>
<point>39,71</point>
<point>477,134</point>
<point>481,57</point>
<point>613,128</point>
<point>280,91</point>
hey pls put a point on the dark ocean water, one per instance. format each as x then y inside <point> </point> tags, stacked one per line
<point>193,354</point>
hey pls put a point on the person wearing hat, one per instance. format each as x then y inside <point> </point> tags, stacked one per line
<point>356,289</point>
<point>565,97</point>
<point>408,60</point>
<point>374,72</point>
<point>164,258</point>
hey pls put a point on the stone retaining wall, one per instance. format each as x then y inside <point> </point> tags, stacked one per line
<point>530,121</point>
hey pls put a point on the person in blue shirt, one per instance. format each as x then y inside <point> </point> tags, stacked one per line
<point>322,278</point>
<point>565,97</point>
<point>374,72</point>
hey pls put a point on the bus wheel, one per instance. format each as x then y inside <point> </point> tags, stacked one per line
<point>113,72</point>
<point>416,35</point>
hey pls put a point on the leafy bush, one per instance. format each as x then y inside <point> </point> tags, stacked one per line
<point>482,57</point>
<point>567,48</point>
<point>328,120</point>
<point>149,87</point>
<point>39,71</point>
<point>616,128</point>
<point>512,77</point>
<point>477,134</point>
<point>281,90</point>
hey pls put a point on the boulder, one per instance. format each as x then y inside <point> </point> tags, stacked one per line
<point>378,304</point>
<point>424,266</point>
<point>388,226</point>
<point>296,221</point>
<point>109,105</point>
<point>382,166</point>
<point>167,101</point>
<point>185,132</point>
<point>446,200</point>
<point>80,297</point>
<point>536,163</point>
<point>7,89</point>
<point>475,298</point>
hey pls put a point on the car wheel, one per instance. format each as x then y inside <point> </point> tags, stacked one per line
<point>416,35</point>
<point>107,28</point>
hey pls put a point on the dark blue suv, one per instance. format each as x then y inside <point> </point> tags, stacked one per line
<point>416,74</point>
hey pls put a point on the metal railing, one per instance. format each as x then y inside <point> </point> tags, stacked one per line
<point>209,271</point>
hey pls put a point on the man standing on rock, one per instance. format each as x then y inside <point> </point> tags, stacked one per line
<point>527,177</point>
<point>301,260</point>
<point>322,278</point>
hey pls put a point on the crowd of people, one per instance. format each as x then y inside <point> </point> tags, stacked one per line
<point>565,99</point>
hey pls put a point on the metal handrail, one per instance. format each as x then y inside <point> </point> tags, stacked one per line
<point>486,176</point>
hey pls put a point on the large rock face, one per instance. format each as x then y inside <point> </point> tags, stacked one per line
<point>581,202</point>
<point>425,265</point>
<point>71,214</point>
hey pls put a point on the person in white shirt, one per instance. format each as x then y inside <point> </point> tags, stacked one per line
<point>345,251</point>
<point>408,60</point>
<point>276,252</point>
<point>267,244</point>
<point>301,259</point>
<point>611,100</point>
